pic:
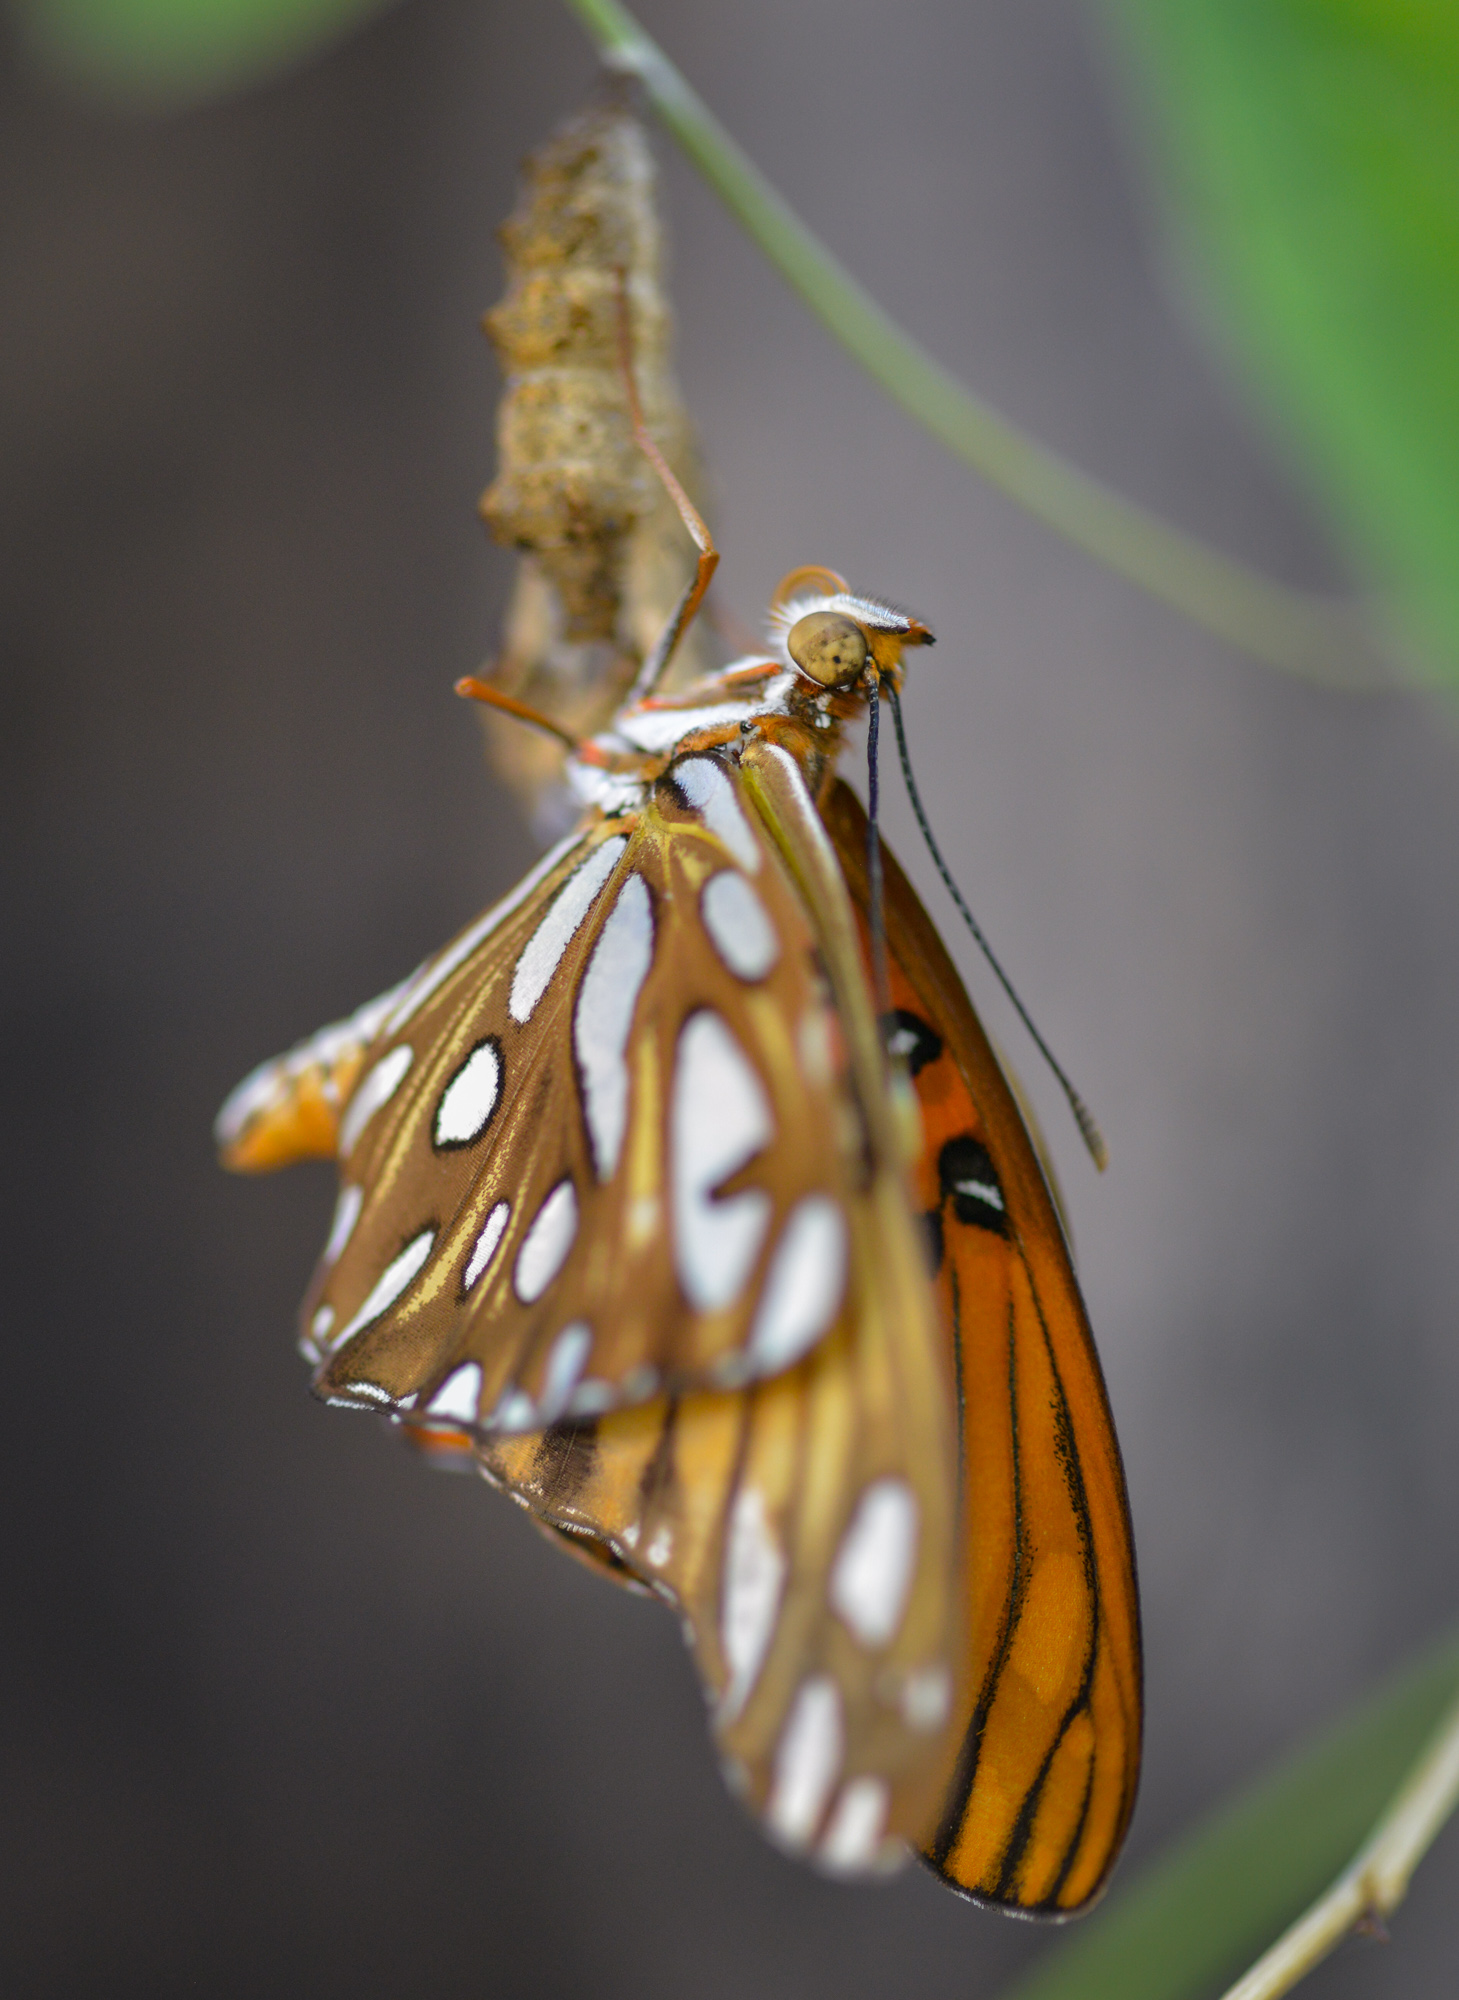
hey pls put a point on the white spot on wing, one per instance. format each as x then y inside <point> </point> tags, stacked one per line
<point>459,1395</point>
<point>807,1762</point>
<point>374,1092</point>
<point>639,1383</point>
<point>322,1321</point>
<point>515,1412</point>
<point>803,1287</point>
<point>565,1362</point>
<point>484,1248</point>
<point>754,1575</point>
<point>346,1215</point>
<point>392,1281</point>
<point>718,1120</point>
<point>984,1191</point>
<point>706,785</point>
<point>604,1014</point>
<point>590,1399</point>
<point>366,1391</point>
<point>544,949</point>
<point>927,1698</point>
<point>851,1843</point>
<point>546,1243</point>
<point>874,1565</point>
<point>469,1098</point>
<point>434,973</point>
<point>735,918</point>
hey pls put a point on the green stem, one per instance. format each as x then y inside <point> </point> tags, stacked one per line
<point>1319,638</point>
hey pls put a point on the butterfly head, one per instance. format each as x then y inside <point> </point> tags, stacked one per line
<point>836,639</point>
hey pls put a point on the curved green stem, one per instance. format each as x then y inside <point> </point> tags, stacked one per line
<point>1316,637</point>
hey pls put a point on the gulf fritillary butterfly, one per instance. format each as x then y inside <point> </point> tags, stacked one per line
<point>637,1202</point>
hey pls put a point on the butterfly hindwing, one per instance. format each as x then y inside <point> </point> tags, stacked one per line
<point>1044,1777</point>
<point>802,1528</point>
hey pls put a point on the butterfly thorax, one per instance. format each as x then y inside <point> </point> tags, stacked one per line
<point>754,698</point>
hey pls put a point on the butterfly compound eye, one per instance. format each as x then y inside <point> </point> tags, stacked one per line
<point>828,647</point>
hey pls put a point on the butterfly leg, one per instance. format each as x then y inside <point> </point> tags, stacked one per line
<point>656,664</point>
<point>475,689</point>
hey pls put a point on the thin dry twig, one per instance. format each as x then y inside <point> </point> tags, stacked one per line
<point>1376,1882</point>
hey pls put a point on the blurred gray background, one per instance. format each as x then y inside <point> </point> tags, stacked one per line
<point>281,1710</point>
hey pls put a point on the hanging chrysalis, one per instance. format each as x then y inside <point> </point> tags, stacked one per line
<point>603,559</point>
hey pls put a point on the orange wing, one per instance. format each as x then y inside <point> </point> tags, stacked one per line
<point>1044,1782</point>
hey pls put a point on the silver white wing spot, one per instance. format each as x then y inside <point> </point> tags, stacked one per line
<point>852,1840</point>
<point>565,1361</point>
<point>718,1120</point>
<point>737,923</point>
<point>807,1761</point>
<point>591,1399</point>
<point>604,1014</point>
<point>874,1565</point>
<point>373,1093</point>
<point>400,1273</point>
<point>469,1099</point>
<point>543,951</point>
<point>412,996</point>
<point>516,1412</point>
<point>346,1215</point>
<point>459,1395</point>
<point>926,1700</point>
<point>754,1575</point>
<point>803,1287</point>
<point>706,786</point>
<point>546,1244</point>
<point>484,1248</point>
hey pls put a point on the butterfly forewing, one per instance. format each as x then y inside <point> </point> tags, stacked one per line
<point>1044,1778</point>
<point>613,1148</point>
<point>806,1526</point>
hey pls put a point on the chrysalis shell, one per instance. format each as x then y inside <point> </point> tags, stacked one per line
<point>604,556</point>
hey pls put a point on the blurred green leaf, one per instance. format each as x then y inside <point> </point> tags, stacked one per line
<point>1312,149</point>
<point>172,53</point>
<point>1210,1904</point>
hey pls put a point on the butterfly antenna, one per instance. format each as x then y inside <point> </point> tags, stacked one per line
<point>875,889</point>
<point>656,664</point>
<point>1083,1118</point>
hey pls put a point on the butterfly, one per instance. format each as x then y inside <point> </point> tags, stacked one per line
<point>683,1195</point>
